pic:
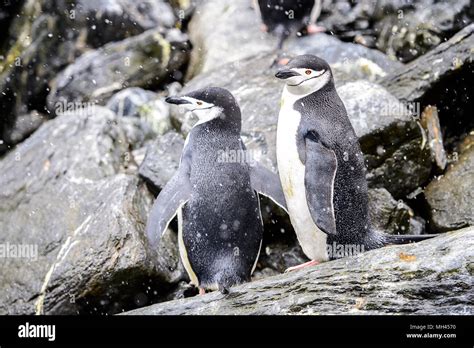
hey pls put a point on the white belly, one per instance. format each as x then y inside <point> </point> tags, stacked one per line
<point>292,172</point>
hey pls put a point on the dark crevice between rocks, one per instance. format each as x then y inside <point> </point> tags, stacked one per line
<point>280,248</point>
<point>7,13</point>
<point>454,101</point>
<point>453,98</point>
<point>127,290</point>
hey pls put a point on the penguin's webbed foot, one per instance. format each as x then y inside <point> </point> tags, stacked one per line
<point>303,265</point>
<point>264,28</point>
<point>282,61</point>
<point>202,291</point>
<point>314,29</point>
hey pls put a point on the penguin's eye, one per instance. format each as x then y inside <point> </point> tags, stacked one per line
<point>308,72</point>
<point>199,103</point>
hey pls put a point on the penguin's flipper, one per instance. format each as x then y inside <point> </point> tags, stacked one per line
<point>267,183</point>
<point>173,196</point>
<point>320,172</point>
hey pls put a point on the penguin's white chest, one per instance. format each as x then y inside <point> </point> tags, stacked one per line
<point>292,174</point>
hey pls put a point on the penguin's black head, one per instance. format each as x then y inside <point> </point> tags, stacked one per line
<point>305,74</point>
<point>210,103</point>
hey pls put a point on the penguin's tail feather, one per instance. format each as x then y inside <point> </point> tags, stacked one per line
<point>228,274</point>
<point>405,239</point>
<point>224,282</point>
<point>378,239</point>
<point>223,290</point>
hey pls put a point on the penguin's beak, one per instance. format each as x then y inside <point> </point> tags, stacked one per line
<point>177,100</point>
<point>285,74</point>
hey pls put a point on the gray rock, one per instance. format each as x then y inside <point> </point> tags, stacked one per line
<point>162,160</point>
<point>49,35</point>
<point>147,105</point>
<point>228,26</point>
<point>64,192</point>
<point>389,137</point>
<point>277,257</point>
<point>233,27</point>
<point>184,9</point>
<point>156,113</point>
<point>441,78</point>
<point>410,33</point>
<point>403,29</point>
<point>107,21</point>
<point>128,101</point>
<point>391,216</point>
<point>426,278</point>
<point>370,63</point>
<point>141,61</point>
<point>416,79</point>
<point>22,128</point>
<point>451,196</point>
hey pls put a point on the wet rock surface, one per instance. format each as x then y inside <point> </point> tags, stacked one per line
<point>23,127</point>
<point>46,36</point>
<point>451,196</point>
<point>144,104</point>
<point>411,32</point>
<point>162,160</point>
<point>93,249</point>
<point>392,216</point>
<point>77,180</point>
<point>142,61</point>
<point>228,31</point>
<point>419,76</point>
<point>431,277</point>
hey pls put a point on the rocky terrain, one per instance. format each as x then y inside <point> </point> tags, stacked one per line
<point>87,142</point>
<point>432,277</point>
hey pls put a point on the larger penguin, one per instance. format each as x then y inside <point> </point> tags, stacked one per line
<point>284,17</point>
<point>321,165</point>
<point>215,196</point>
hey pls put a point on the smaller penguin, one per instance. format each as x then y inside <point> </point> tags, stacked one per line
<point>284,17</point>
<point>216,199</point>
<point>321,165</point>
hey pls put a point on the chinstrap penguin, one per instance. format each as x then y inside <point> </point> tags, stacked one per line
<point>219,221</point>
<point>321,165</point>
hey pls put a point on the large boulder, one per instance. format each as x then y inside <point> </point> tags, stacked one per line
<point>161,160</point>
<point>411,31</point>
<point>428,278</point>
<point>392,216</point>
<point>145,60</point>
<point>144,104</point>
<point>451,196</point>
<point>65,192</point>
<point>451,58</point>
<point>46,36</point>
<point>22,128</point>
<point>224,31</point>
<point>443,78</point>
<point>389,136</point>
